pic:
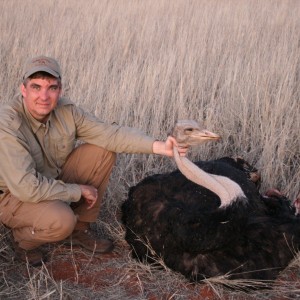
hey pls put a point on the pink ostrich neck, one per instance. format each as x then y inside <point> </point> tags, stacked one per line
<point>227,190</point>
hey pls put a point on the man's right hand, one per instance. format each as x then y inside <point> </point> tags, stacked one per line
<point>90,194</point>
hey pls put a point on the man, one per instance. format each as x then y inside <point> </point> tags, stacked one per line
<point>51,190</point>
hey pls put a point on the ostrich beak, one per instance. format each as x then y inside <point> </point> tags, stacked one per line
<point>205,135</point>
<point>196,137</point>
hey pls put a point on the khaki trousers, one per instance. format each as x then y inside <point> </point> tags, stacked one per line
<point>34,224</point>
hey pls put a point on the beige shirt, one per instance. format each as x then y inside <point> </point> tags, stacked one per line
<point>32,153</point>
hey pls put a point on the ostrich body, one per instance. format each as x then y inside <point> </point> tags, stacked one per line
<point>211,221</point>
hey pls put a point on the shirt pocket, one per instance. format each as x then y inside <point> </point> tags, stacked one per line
<point>63,147</point>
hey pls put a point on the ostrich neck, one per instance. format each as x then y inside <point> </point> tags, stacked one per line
<point>227,190</point>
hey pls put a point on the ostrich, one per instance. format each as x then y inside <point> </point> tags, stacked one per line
<point>212,220</point>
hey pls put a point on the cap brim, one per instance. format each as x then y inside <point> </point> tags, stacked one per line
<point>41,69</point>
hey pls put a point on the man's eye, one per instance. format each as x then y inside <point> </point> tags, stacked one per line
<point>36,87</point>
<point>54,88</point>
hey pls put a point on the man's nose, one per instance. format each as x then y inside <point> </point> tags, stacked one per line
<point>44,94</point>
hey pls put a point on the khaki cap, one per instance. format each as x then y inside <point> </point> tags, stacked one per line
<point>41,63</point>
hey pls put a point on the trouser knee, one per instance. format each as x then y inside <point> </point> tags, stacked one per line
<point>44,222</point>
<point>63,225</point>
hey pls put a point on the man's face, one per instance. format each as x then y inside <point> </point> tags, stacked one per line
<point>40,96</point>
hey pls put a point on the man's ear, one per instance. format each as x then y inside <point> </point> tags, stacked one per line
<point>23,89</point>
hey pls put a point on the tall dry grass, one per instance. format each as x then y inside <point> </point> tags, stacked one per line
<point>233,65</point>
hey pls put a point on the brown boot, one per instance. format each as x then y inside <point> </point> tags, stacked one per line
<point>33,257</point>
<point>87,240</point>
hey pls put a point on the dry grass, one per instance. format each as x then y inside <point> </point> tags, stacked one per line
<point>233,65</point>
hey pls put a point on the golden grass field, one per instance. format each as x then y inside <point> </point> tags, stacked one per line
<point>232,65</point>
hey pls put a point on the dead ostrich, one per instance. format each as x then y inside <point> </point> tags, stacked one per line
<point>211,221</point>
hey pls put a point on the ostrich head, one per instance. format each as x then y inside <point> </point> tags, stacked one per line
<point>188,133</point>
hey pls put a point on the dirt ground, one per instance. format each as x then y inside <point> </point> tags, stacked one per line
<point>73,273</point>
<point>111,276</point>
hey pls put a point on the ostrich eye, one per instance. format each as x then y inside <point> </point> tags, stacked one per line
<point>189,129</point>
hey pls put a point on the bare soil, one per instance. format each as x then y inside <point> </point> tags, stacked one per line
<point>76,274</point>
<point>108,272</point>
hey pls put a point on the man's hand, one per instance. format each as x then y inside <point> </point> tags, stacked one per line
<point>89,194</point>
<point>166,148</point>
